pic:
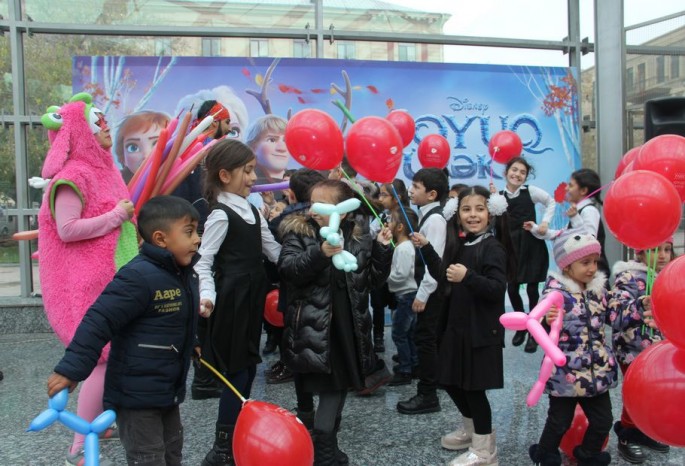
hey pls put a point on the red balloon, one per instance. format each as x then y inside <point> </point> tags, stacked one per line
<point>654,390</point>
<point>504,146</point>
<point>626,160</point>
<point>268,434</point>
<point>574,435</point>
<point>271,312</point>
<point>642,209</point>
<point>667,301</point>
<point>434,151</point>
<point>665,155</point>
<point>314,139</point>
<point>374,149</point>
<point>404,123</point>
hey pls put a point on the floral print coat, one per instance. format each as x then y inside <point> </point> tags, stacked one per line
<point>631,335</point>
<point>590,368</point>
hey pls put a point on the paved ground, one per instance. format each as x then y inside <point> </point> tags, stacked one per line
<point>373,433</point>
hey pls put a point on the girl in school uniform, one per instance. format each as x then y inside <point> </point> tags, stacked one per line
<point>232,281</point>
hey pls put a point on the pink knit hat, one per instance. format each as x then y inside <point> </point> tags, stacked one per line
<point>573,245</point>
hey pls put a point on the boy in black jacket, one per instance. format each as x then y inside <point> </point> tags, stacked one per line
<point>149,313</point>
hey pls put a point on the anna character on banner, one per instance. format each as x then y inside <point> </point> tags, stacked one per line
<point>136,136</point>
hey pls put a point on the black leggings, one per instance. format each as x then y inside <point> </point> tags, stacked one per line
<point>515,299</point>
<point>330,407</point>
<point>473,404</point>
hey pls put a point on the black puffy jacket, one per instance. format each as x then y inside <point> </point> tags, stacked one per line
<point>306,272</point>
<point>149,313</point>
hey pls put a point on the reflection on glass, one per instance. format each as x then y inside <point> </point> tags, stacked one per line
<point>267,14</point>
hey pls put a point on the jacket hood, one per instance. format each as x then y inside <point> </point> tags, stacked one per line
<point>628,266</point>
<point>595,286</point>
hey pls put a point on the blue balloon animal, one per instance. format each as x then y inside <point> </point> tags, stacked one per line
<point>92,430</point>
<point>342,260</point>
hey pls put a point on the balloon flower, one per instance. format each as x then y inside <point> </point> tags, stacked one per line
<point>342,260</point>
<point>92,430</point>
<point>548,342</point>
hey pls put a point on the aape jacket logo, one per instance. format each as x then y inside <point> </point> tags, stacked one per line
<point>167,294</point>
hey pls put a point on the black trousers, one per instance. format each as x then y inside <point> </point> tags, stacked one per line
<point>560,417</point>
<point>426,341</point>
<point>151,437</point>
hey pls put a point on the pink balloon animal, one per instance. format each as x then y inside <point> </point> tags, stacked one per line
<point>548,342</point>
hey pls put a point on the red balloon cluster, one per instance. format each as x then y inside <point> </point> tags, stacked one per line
<point>574,435</point>
<point>665,155</point>
<point>642,209</point>
<point>434,151</point>
<point>504,146</point>
<point>268,434</point>
<point>374,148</point>
<point>271,312</point>
<point>667,301</point>
<point>314,139</point>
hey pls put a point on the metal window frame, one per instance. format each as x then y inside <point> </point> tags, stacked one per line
<point>16,26</point>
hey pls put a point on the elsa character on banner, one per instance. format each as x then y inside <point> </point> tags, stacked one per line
<point>136,136</point>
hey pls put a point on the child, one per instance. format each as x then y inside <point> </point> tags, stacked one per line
<point>266,137</point>
<point>402,285</point>
<point>590,370</point>
<point>470,334</point>
<point>583,192</point>
<point>382,297</point>
<point>327,334</point>
<point>428,189</point>
<point>136,136</point>
<point>531,253</point>
<point>232,281</point>
<point>149,313</point>
<point>631,335</point>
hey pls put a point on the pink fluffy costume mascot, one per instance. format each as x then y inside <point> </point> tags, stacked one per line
<point>85,232</point>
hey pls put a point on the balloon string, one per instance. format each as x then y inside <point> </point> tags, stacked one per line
<point>223,379</point>
<point>404,212</point>
<point>356,187</point>
<point>345,110</point>
<point>595,191</point>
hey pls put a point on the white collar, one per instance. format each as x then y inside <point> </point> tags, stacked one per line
<point>480,238</point>
<point>424,209</point>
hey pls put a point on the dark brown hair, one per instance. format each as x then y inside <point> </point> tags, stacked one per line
<point>228,155</point>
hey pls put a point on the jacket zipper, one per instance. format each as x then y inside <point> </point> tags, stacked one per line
<point>297,316</point>
<point>590,342</point>
<point>161,347</point>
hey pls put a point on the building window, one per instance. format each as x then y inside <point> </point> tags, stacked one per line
<point>301,49</point>
<point>630,79</point>
<point>406,52</point>
<point>675,66</point>
<point>346,50</point>
<point>640,78</point>
<point>211,47</point>
<point>163,46</point>
<point>259,48</point>
<point>660,69</point>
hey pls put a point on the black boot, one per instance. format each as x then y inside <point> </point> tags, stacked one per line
<point>307,418</point>
<point>419,404</point>
<point>271,344</point>
<point>204,385</point>
<point>544,458</point>
<point>221,453</point>
<point>340,456</point>
<point>325,444</point>
<point>628,448</point>
<point>646,441</point>
<point>584,458</point>
<point>531,345</point>
<point>519,338</point>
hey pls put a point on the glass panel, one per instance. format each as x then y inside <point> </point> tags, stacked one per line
<point>205,13</point>
<point>4,9</point>
<point>486,18</point>
<point>588,135</point>
<point>6,103</point>
<point>9,251</point>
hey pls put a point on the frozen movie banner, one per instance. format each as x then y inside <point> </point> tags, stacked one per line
<point>465,103</point>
